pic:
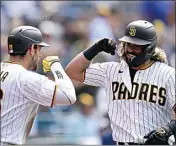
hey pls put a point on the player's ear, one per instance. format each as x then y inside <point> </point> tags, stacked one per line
<point>31,49</point>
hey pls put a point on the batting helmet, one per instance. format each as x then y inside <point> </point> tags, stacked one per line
<point>143,33</point>
<point>22,37</point>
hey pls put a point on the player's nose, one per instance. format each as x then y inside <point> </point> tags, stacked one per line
<point>130,50</point>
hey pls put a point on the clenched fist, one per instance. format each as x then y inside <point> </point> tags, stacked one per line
<point>103,45</point>
<point>48,61</point>
<point>107,45</point>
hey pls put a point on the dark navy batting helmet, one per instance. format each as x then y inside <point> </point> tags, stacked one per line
<point>20,38</point>
<point>142,33</point>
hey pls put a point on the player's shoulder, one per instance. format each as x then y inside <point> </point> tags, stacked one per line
<point>111,63</point>
<point>12,67</point>
<point>33,75</point>
<point>107,65</point>
<point>165,68</point>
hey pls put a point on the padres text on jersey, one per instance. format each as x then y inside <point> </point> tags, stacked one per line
<point>135,108</point>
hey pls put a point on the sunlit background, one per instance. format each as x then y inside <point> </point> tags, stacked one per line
<point>70,27</point>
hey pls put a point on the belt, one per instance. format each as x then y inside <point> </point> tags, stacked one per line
<point>127,143</point>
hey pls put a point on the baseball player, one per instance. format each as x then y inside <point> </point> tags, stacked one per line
<point>22,89</point>
<point>140,89</point>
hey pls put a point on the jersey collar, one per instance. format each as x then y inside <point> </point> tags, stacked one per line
<point>143,66</point>
<point>9,61</point>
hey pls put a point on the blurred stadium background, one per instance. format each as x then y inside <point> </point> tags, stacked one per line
<point>70,27</point>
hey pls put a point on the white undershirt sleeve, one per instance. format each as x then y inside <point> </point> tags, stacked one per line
<point>65,91</point>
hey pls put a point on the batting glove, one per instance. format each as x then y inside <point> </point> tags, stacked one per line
<point>107,45</point>
<point>162,135</point>
<point>157,137</point>
<point>48,61</point>
<point>103,45</point>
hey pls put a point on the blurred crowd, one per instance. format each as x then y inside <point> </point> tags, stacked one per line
<point>70,27</point>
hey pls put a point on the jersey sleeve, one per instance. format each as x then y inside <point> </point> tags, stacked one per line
<point>170,90</point>
<point>95,75</point>
<point>38,88</point>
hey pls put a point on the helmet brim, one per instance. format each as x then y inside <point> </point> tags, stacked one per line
<point>43,44</point>
<point>135,41</point>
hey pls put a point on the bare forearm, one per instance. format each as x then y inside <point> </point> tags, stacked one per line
<point>77,66</point>
<point>75,69</point>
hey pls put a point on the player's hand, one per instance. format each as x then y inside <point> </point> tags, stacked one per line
<point>48,61</point>
<point>157,137</point>
<point>107,45</point>
<point>163,136</point>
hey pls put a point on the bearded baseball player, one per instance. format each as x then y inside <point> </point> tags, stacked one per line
<point>23,90</point>
<point>140,89</point>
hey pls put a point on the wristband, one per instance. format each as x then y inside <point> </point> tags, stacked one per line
<point>54,62</point>
<point>91,52</point>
